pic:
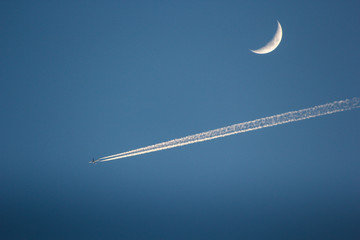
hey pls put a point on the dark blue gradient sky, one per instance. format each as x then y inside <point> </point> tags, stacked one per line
<point>83,79</point>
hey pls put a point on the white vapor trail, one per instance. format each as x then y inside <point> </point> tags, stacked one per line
<point>325,109</point>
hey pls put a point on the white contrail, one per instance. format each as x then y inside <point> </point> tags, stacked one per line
<point>325,109</point>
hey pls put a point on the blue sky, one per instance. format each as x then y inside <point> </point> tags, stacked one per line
<point>89,79</point>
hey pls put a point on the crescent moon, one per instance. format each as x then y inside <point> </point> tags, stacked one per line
<point>273,44</point>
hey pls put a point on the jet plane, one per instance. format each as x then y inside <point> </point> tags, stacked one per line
<point>93,161</point>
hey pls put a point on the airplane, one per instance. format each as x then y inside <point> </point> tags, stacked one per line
<point>93,161</point>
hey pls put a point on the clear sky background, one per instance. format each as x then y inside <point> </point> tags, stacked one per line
<point>83,79</point>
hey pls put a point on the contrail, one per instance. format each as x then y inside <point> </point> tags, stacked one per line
<point>325,109</point>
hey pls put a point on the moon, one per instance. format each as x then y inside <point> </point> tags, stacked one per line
<point>273,44</point>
